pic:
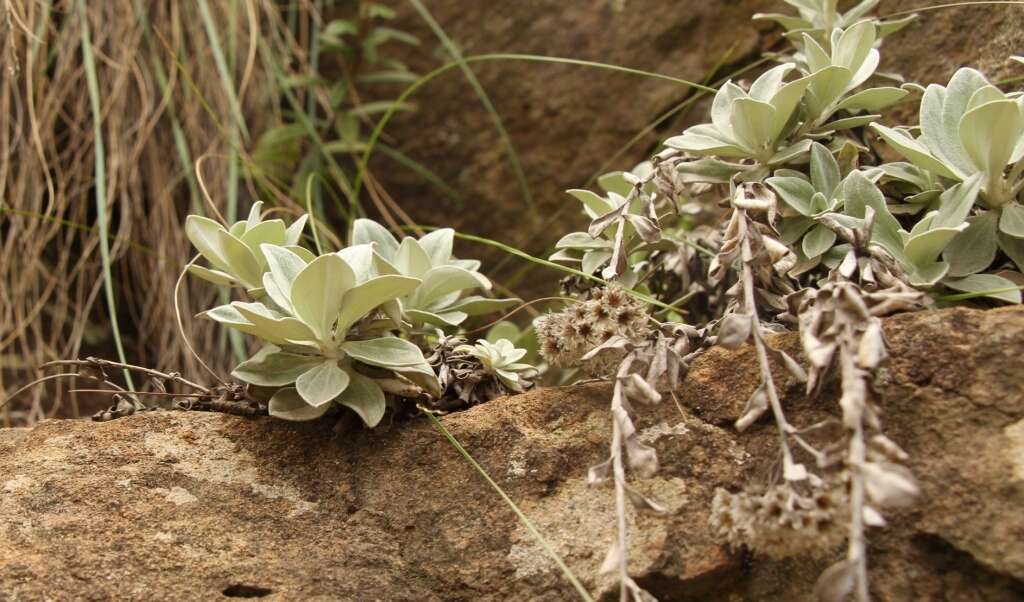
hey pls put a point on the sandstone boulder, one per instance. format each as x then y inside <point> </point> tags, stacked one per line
<point>193,506</point>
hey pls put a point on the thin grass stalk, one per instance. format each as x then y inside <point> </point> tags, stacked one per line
<point>485,100</point>
<point>100,186</point>
<point>413,87</point>
<point>548,549</point>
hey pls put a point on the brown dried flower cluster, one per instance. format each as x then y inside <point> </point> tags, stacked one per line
<point>781,522</point>
<point>567,336</point>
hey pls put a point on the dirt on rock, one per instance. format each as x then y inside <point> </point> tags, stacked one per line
<point>194,506</point>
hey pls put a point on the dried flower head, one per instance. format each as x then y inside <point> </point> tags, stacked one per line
<point>781,522</point>
<point>567,336</point>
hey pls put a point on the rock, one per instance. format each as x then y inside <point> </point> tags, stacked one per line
<point>195,506</point>
<point>568,122</point>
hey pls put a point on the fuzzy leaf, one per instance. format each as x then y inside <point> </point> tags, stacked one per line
<point>361,299</point>
<point>365,397</point>
<point>873,99</point>
<point>914,151</point>
<point>997,287</point>
<point>289,405</point>
<point>322,383</point>
<point>366,231</point>
<point>271,367</point>
<point>1011,220</point>
<point>385,352</point>
<point>317,293</point>
<point>817,241</point>
<point>974,249</point>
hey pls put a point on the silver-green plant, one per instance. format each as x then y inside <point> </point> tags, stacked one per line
<point>443,298</point>
<point>501,360</point>
<point>623,225</point>
<point>971,129</point>
<point>234,253</point>
<point>315,352</point>
<point>819,17</point>
<point>751,125</point>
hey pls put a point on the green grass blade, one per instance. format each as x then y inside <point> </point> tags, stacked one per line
<point>413,87</point>
<point>453,51</point>
<point>556,266</point>
<point>101,185</point>
<point>566,571</point>
<point>922,9</point>
<point>977,294</point>
<point>222,67</point>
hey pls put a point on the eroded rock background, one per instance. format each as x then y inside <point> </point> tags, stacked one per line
<point>190,506</point>
<point>567,121</point>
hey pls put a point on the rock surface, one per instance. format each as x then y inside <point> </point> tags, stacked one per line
<point>568,122</point>
<point>191,506</point>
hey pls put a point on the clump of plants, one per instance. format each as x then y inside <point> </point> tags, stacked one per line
<point>786,212</point>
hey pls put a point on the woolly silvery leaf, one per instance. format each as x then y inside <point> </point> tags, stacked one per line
<point>287,404</point>
<point>889,484</point>
<point>386,352</point>
<point>992,285</point>
<point>644,504</point>
<point>734,330</point>
<point>271,367</point>
<point>364,396</point>
<point>317,293</point>
<point>757,405</point>
<point>836,582</point>
<point>235,252</point>
<point>322,383</point>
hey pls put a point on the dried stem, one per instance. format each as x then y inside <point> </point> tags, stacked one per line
<point>101,363</point>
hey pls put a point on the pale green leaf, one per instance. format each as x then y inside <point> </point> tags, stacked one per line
<point>476,305</point>
<point>214,276</point>
<point>825,173</point>
<point>1011,220</point>
<point>368,231</point>
<point>872,99</point>
<point>795,192</point>
<point>594,204</point>
<point>785,101</point>
<point>752,122</point>
<point>242,260</point>
<point>995,286</point>
<point>817,241</point>
<point>990,133</point>
<point>202,232</point>
<point>955,203</point>
<point>272,326</point>
<point>287,404</point>
<point>284,266</point>
<point>362,298</point>
<point>317,293</point>
<point>438,245</point>
<point>914,151</point>
<point>271,367</point>
<point>270,232</point>
<point>365,397</point>
<point>411,259</point>
<point>444,280</point>
<point>974,249</point>
<point>385,352</point>
<point>322,383</point>
<point>293,234</point>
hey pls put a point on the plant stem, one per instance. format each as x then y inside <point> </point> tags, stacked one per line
<point>856,551</point>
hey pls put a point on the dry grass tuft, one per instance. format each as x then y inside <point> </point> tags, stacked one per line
<point>164,105</point>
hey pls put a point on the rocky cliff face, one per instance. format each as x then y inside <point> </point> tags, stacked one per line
<point>191,506</point>
<point>567,122</point>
